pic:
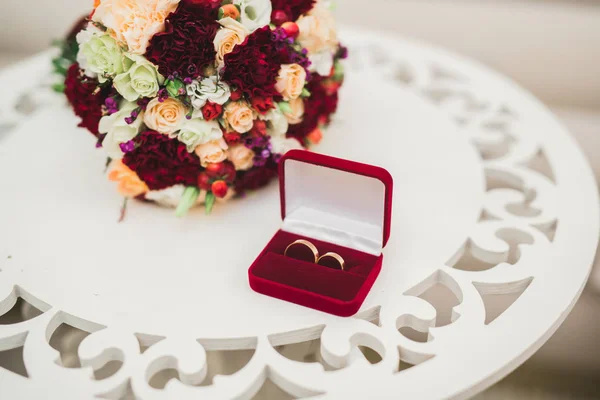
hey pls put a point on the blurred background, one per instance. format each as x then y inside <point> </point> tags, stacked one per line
<point>550,47</point>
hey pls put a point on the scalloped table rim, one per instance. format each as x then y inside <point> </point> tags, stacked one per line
<point>577,211</point>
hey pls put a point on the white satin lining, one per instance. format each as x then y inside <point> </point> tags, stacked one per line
<point>334,229</point>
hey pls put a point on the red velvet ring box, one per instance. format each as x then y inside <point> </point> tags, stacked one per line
<point>340,206</point>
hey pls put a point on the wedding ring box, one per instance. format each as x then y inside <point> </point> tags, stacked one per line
<point>340,206</point>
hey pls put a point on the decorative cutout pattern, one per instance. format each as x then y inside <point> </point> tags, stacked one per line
<point>378,346</point>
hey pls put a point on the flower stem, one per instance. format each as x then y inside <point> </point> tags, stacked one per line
<point>189,198</point>
<point>209,202</point>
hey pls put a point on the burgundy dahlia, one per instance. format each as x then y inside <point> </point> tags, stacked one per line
<point>293,9</point>
<point>85,97</point>
<point>186,46</point>
<point>162,162</point>
<point>253,66</point>
<point>318,107</point>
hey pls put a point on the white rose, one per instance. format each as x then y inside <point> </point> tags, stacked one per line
<point>230,35</point>
<point>209,89</point>
<point>254,14</point>
<point>140,78</point>
<point>171,197</point>
<point>118,131</point>
<point>321,62</point>
<point>196,131</point>
<point>103,57</point>
<point>282,145</point>
<point>277,123</point>
<point>82,38</point>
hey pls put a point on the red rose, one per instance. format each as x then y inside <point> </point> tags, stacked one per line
<point>85,98</point>
<point>259,128</point>
<point>262,104</point>
<point>211,111</point>
<point>236,95</point>
<point>232,138</point>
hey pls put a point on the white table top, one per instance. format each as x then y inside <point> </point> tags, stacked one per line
<point>492,197</point>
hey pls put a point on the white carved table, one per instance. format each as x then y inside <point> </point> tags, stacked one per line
<point>493,198</point>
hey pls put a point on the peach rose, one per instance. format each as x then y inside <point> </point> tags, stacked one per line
<point>290,81</point>
<point>317,30</point>
<point>165,117</point>
<point>130,185</point>
<point>241,157</point>
<point>212,152</point>
<point>239,116</point>
<point>134,22</point>
<point>230,35</point>
<point>297,111</point>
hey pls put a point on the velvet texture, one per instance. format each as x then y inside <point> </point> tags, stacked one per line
<point>351,167</point>
<point>319,287</point>
<point>315,286</point>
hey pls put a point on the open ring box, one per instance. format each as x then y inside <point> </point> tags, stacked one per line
<point>340,206</point>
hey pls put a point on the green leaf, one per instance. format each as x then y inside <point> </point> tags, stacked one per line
<point>59,87</point>
<point>60,66</point>
<point>108,161</point>
<point>338,73</point>
<point>305,93</point>
<point>209,202</point>
<point>189,198</point>
<point>285,107</point>
<point>174,86</point>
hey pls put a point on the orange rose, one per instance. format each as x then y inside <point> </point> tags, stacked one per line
<point>133,23</point>
<point>129,184</point>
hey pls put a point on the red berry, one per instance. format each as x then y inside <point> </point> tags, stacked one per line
<point>279,17</point>
<point>291,28</point>
<point>219,189</point>
<point>214,169</point>
<point>204,181</point>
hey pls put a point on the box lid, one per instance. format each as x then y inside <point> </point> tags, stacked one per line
<point>336,200</point>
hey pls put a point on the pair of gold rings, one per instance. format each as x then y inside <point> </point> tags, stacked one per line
<point>330,259</point>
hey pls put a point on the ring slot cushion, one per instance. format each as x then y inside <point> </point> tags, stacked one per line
<point>340,206</point>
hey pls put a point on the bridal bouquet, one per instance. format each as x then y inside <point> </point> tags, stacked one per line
<point>195,100</point>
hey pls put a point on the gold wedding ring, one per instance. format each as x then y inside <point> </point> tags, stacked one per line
<point>306,244</point>
<point>333,256</point>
